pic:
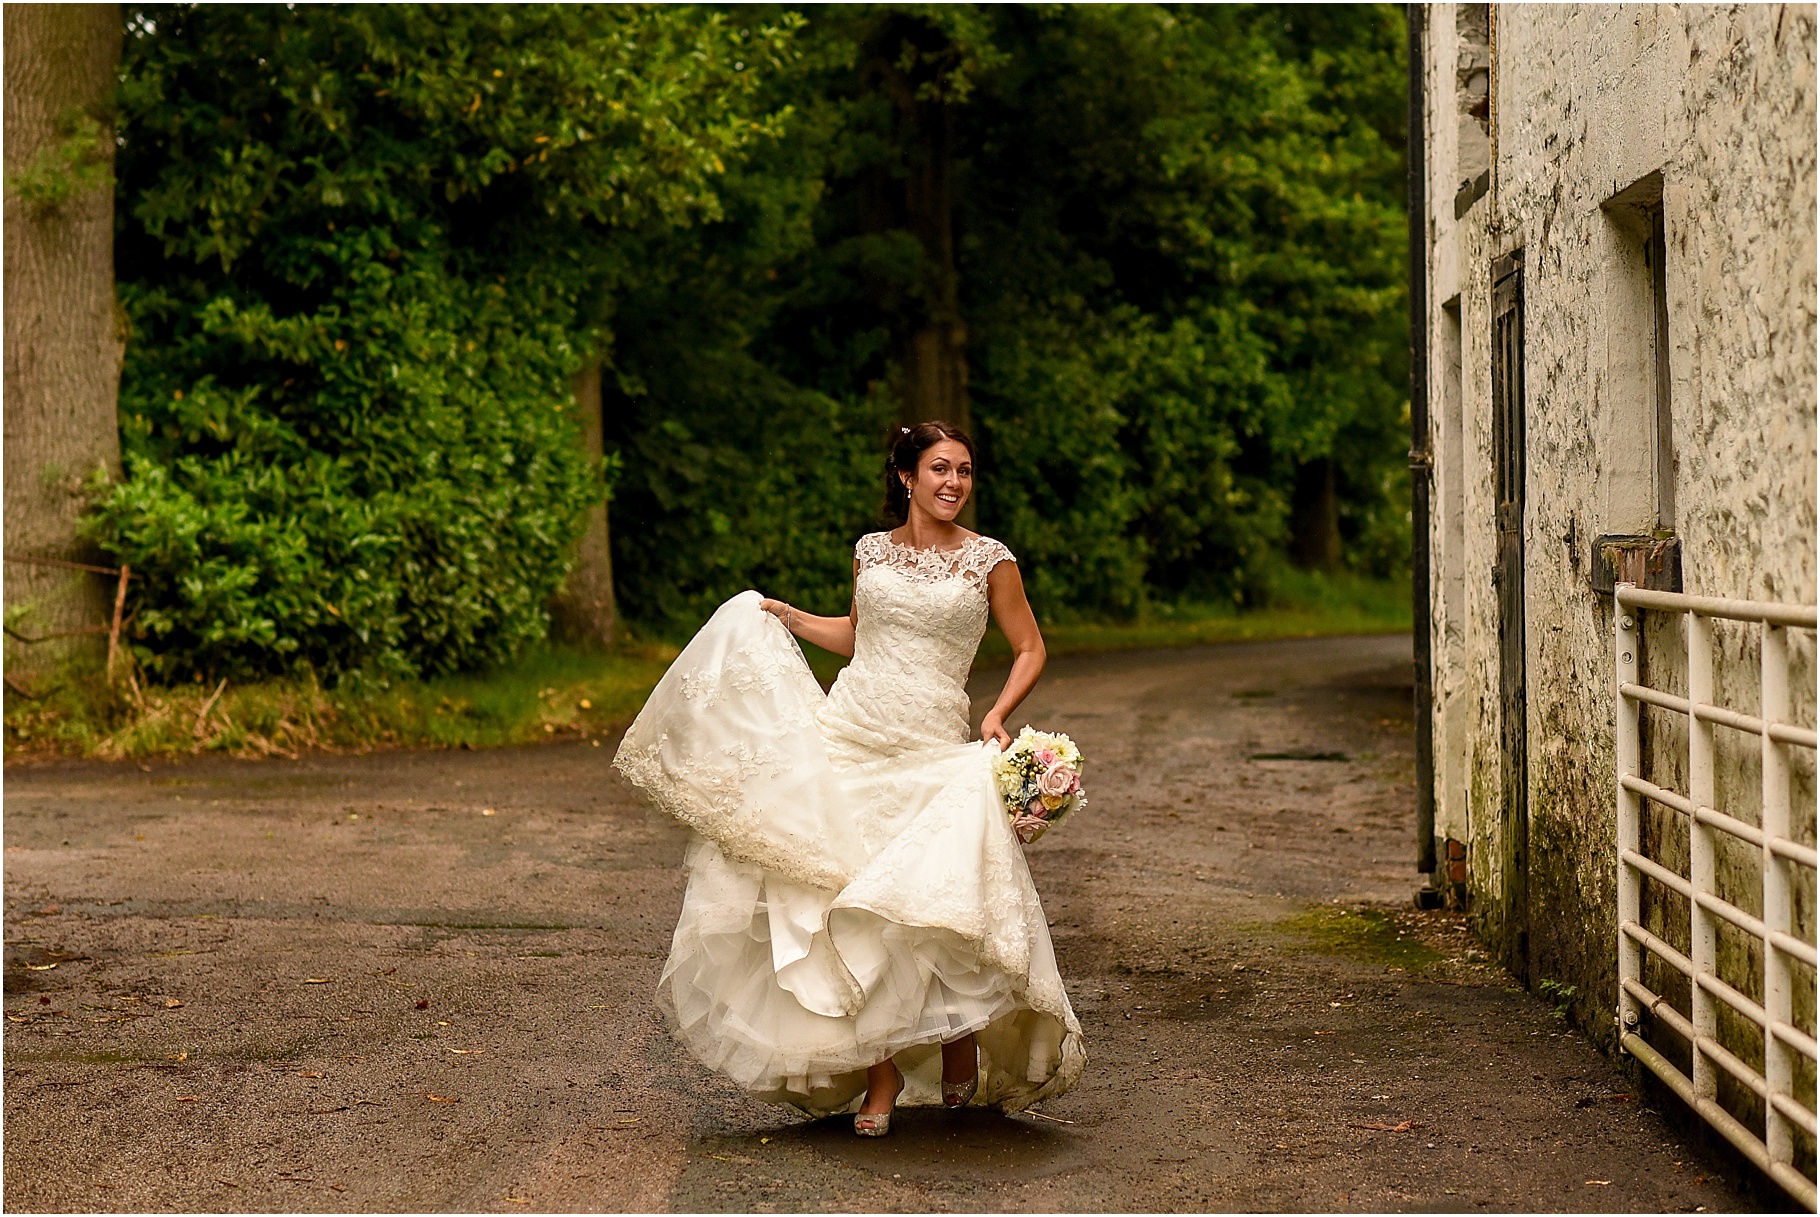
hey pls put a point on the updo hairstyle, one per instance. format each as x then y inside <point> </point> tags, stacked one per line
<point>907,447</point>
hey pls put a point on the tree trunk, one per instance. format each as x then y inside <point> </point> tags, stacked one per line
<point>584,609</point>
<point>1316,544</point>
<point>63,339</point>
<point>929,335</point>
<point>933,353</point>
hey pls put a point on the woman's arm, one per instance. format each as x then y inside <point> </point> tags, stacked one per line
<point>829,633</point>
<point>1010,607</point>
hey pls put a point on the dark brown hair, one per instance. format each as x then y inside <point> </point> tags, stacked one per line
<point>907,447</point>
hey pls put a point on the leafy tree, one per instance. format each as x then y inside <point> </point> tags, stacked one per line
<point>1173,241</point>
<point>1154,254</point>
<point>363,248</point>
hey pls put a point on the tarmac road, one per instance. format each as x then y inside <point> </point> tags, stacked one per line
<point>341,984</point>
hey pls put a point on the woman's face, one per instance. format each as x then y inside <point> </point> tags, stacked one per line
<point>944,479</point>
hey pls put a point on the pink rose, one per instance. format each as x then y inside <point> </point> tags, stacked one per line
<point>1046,757</point>
<point>1028,828</point>
<point>1055,785</point>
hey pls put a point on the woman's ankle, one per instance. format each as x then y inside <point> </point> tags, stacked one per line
<point>960,1059</point>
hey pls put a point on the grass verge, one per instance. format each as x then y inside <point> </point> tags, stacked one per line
<point>559,692</point>
<point>550,693</point>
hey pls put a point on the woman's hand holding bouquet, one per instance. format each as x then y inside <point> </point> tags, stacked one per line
<point>1039,777</point>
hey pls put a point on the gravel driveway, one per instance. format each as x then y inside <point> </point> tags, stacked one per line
<point>422,980</point>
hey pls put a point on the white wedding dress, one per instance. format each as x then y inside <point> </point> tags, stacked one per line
<point>855,889</point>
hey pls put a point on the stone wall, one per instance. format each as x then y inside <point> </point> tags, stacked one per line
<point>1599,118</point>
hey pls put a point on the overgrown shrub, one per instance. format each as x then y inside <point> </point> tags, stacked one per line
<point>362,249</point>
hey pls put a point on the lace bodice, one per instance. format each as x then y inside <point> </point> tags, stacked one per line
<point>920,617</point>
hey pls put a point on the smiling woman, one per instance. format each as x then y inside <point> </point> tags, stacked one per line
<point>860,923</point>
<point>940,457</point>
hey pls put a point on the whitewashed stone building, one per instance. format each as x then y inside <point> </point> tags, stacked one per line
<point>1614,275</point>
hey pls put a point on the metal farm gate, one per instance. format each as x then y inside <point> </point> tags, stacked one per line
<point>1785,1085</point>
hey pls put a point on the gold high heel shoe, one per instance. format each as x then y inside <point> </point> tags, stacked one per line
<point>956,1095</point>
<point>866,1124</point>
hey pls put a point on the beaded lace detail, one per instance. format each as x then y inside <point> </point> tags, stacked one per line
<point>970,561</point>
<point>920,616</point>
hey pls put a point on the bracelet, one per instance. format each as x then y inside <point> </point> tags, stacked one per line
<point>790,618</point>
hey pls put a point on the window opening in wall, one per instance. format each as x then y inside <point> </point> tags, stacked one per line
<point>1472,103</point>
<point>1637,469</point>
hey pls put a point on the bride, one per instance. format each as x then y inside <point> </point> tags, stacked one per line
<point>860,927</point>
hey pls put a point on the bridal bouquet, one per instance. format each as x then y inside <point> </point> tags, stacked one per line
<point>1039,777</point>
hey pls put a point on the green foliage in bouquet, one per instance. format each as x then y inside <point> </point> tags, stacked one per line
<point>362,249</point>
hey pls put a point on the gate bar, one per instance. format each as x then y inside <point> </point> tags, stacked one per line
<point>1782,1041</point>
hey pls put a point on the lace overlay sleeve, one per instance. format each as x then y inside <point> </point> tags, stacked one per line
<point>983,555</point>
<point>870,549</point>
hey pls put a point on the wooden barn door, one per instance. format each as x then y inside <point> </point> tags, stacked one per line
<point>1508,456</point>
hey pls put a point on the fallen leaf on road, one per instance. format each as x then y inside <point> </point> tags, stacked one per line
<point>424,1004</point>
<point>326,1111</point>
<point>336,1187</point>
<point>188,1098</point>
<point>1405,1126</point>
<point>1623,1098</point>
<point>177,1056</point>
<point>764,1140</point>
<point>464,1051</point>
<point>227,1183</point>
<point>309,1075</point>
<point>171,1003</point>
<point>436,1098</point>
<point>39,967</point>
<point>368,1102</point>
<point>315,980</point>
<point>513,1199</point>
<point>488,811</point>
<point>1054,1119</point>
<point>1598,1183</point>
